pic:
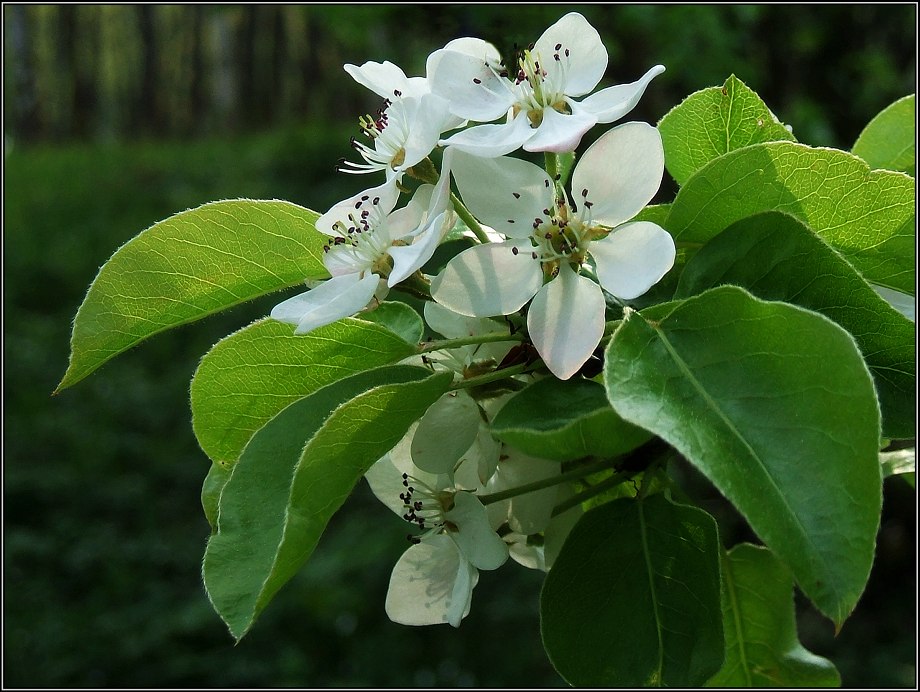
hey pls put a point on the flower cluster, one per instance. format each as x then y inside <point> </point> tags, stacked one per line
<point>552,248</point>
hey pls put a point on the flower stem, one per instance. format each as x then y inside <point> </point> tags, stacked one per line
<point>493,376</point>
<point>606,484</point>
<point>574,474</point>
<point>489,338</point>
<point>469,219</point>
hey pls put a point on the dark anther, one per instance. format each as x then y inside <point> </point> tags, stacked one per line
<point>376,200</point>
<point>517,195</point>
<point>566,52</point>
<point>533,255</point>
<point>588,204</point>
<point>397,92</point>
<point>558,46</point>
<point>546,211</point>
<point>477,81</point>
<point>514,251</point>
<point>548,235</point>
<point>510,220</point>
<point>558,176</point>
<point>546,183</point>
<point>584,193</point>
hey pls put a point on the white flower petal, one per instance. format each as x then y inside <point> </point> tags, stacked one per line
<point>633,258</point>
<point>583,67</point>
<point>492,140</point>
<point>476,47</point>
<point>429,120</point>
<point>560,132</point>
<point>530,512</point>
<point>339,297</point>
<point>385,79</point>
<point>473,89</point>
<point>489,280</point>
<point>903,303</point>
<point>452,325</point>
<point>504,193</point>
<point>386,195</point>
<point>447,430</point>
<point>621,171</point>
<point>566,321</point>
<point>612,103</point>
<point>474,536</point>
<point>431,584</point>
<point>478,463</point>
<point>410,258</point>
<point>529,556</point>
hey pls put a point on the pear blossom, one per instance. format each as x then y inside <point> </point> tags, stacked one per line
<point>554,241</point>
<point>371,249</point>
<point>433,581</point>
<point>403,133</point>
<point>537,95</point>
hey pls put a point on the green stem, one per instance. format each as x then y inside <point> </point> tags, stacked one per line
<point>417,285</point>
<point>469,219</point>
<point>574,474</point>
<point>552,165</point>
<point>493,376</point>
<point>489,338</point>
<point>604,485</point>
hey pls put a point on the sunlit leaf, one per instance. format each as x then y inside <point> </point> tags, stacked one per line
<point>191,265</point>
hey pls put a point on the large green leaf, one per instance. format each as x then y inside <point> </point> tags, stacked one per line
<point>867,216</point>
<point>563,420</point>
<point>889,139</point>
<point>762,647</point>
<point>776,257</point>
<point>775,405</point>
<point>191,265</point>
<point>399,318</point>
<point>251,375</point>
<point>633,598</point>
<point>713,122</point>
<point>293,476</point>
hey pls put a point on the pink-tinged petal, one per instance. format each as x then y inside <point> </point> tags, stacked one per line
<point>633,258</point>
<point>431,584</point>
<point>566,321</point>
<point>579,71</point>
<point>612,103</point>
<point>386,195</point>
<point>473,89</point>
<point>474,536</point>
<point>504,193</point>
<point>559,132</point>
<point>489,280</point>
<point>494,140</point>
<point>621,171</point>
<point>339,297</point>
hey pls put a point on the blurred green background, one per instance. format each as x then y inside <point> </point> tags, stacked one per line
<point>118,116</point>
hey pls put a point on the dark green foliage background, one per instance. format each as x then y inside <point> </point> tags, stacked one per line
<point>103,529</point>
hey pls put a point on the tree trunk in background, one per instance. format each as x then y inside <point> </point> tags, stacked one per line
<point>198,99</point>
<point>246,39</point>
<point>20,93</point>
<point>147,111</point>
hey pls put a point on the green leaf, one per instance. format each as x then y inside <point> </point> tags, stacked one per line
<point>211,489</point>
<point>867,216</point>
<point>293,476</point>
<point>563,420</point>
<point>762,648</point>
<point>902,462</point>
<point>399,318</point>
<point>888,140</point>
<point>191,265</point>
<point>633,597</point>
<point>249,376</point>
<point>775,405</point>
<point>713,122</point>
<point>656,213</point>
<point>776,257</point>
